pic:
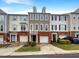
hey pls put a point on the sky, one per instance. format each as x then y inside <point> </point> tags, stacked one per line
<point>52,6</point>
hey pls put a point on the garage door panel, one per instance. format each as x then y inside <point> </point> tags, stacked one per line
<point>23,38</point>
<point>1,39</point>
<point>43,39</point>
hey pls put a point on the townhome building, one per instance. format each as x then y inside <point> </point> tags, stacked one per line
<point>59,26</point>
<point>3,27</point>
<point>39,27</point>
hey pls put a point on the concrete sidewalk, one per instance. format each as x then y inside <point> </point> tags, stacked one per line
<point>45,49</point>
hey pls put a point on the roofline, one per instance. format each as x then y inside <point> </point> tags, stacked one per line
<point>18,14</point>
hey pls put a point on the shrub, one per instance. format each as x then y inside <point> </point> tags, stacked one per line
<point>33,44</point>
<point>62,41</point>
<point>58,40</point>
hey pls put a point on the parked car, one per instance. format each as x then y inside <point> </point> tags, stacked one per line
<point>74,40</point>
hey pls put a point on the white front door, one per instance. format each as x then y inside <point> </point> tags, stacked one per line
<point>23,38</point>
<point>13,38</point>
<point>1,39</point>
<point>43,39</point>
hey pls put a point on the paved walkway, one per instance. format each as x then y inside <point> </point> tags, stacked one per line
<point>45,49</point>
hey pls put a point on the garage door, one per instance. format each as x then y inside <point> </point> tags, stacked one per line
<point>43,39</point>
<point>1,39</point>
<point>23,38</point>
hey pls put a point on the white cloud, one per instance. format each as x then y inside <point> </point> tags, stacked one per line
<point>23,11</point>
<point>19,1</point>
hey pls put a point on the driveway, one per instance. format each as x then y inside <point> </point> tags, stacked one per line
<point>8,51</point>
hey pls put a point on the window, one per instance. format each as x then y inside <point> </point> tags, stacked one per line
<point>54,27</point>
<point>62,18</point>
<point>32,16</point>
<point>54,18</point>
<point>23,18</point>
<point>36,16</point>
<point>78,28</point>
<point>62,27</point>
<point>46,27</point>
<point>41,26</point>
<point>36,27</point>
<point>46,17</point>
<point>78,17</point>
<point>73,17</point>
<point>14,26</point>
<point>23,27</point>
<point>1,27</point>
<point>31,26</point>
<point>41,16</point>
<point>74,28</point>
<point>14,18</point>
<point>1,19</point>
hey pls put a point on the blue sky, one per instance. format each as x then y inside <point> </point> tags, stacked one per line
<point>53,6</point>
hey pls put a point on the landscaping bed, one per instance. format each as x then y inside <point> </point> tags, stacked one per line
<point>29,48</point>
<point>4,45</point>
<point>68,46</point>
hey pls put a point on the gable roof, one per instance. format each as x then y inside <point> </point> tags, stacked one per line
<point>2,12</point>
<point>76,11</point>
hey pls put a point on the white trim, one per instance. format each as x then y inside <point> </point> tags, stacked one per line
<point>13,34</point>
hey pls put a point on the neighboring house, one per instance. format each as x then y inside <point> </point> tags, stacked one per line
<point>39,23</point>
<point>40,27</point>
<point>74,23</point>
<point>18,28</point>
<point>59,26</point>
<point>3,27</point>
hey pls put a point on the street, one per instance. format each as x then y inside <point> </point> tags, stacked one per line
<point>44,56</point>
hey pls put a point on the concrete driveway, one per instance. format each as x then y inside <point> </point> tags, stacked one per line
<point>8,51</point>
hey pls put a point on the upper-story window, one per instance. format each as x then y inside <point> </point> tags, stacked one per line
<point>74,27</point>
<point>41,16</point>
<point>1,19</point>
<point>36,27</point>
<point>62,18</point>
<point>36,16</point>
<point>23,18</point>
<point>14,26</point>
<point>41,26</point>
<point>62,27</point>
<point>54,27</point>
<point>23,27</point>
<point>1,27</point>
<point>46,17</point>
<point>14,18</point>
<point>31,26</point>
<point>78,17</point>
<point>32,16</point>
<point>54,18</point>
<point>74,17</point>
<point>46,26</point>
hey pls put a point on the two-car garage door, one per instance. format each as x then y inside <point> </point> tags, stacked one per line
<point>23,38</point>
<point>43,39</point>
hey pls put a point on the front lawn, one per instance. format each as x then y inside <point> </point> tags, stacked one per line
<point>28,49</point>
<point>3,45</point>
<point>68,46</point>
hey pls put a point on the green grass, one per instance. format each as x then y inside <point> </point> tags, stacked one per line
<point>2,45</point>
<point>28,49</point>
<point>68,46</point>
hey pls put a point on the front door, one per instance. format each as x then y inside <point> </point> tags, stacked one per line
<point>54,37</point>
<point>33,37</point>
<point>77,35</point>
<point>13,38</point>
